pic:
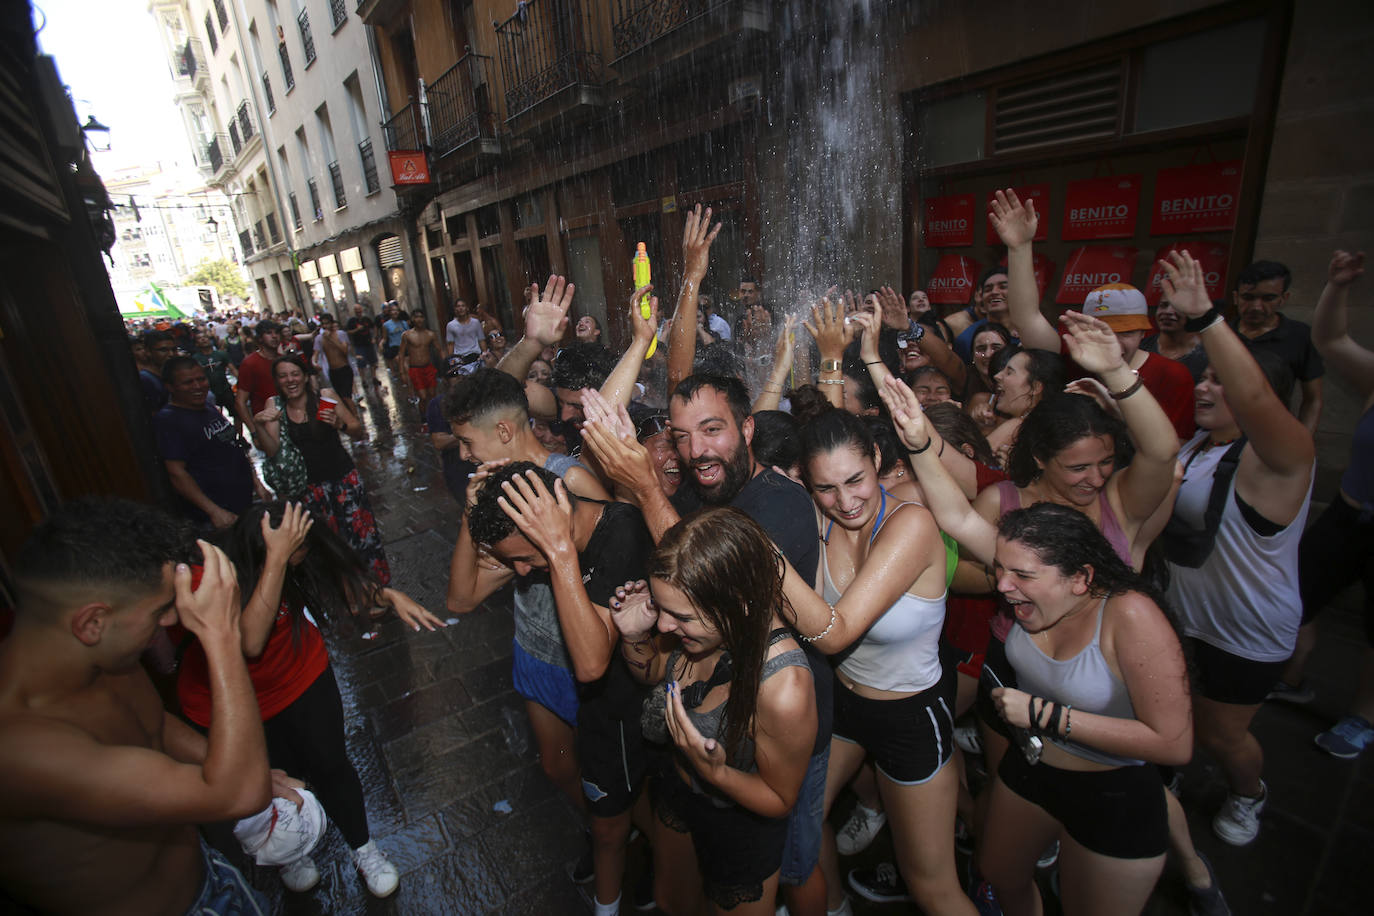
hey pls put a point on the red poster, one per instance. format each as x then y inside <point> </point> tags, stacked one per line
<point>952,282</point>
<point>1044,271</point>
<point>1213,257</point>
<point>1196,198</point>
<point>1101,208</point>
<point>409,167</point>
<point>1092,266</point>
<point>949,221</point>
<point>1040,193</point>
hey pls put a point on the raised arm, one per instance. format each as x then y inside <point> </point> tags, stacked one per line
<point>260,611</point>
<point>1015,223</point>
<point>697,237</point>
<point>627,463</point>
<point>472,575</point>
<point>1330,324</point>
<point>633,613</point>
<point>620,384</point>
<point>546,320</point>
<point>771,393</point>
<point>832,334</point>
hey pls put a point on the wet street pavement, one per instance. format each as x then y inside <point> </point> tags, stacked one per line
<point>456,797</point>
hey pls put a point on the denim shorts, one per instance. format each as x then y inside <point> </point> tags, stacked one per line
<point>550,686</point>
<point>802,850</point>
<point>224,891</point>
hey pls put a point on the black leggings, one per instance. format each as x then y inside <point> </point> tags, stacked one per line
<point>306,739</point>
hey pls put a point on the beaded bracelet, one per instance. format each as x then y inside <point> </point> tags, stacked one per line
<point>823,633</point>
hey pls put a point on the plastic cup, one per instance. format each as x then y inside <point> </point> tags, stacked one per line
<point>326,403</point>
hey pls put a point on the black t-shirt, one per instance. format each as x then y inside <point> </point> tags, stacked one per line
<point>784,510</point>
<point>205,440</point>
<point>616,553</point>
<point>1290,341</point>
<point>360,330</point>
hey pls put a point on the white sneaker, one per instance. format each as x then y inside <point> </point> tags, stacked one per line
<point>858,832</point>
<point>301,875</point>
<point>381,876</point>
<point>1238,820</point>
<point>844,909</point>
<point>969,739</point>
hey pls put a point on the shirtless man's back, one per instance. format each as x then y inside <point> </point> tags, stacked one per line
<point>103,788</point>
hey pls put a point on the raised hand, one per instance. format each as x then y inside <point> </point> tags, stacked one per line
<point>546,317</point>
<point>478,478</point>
<point>1184,285</point>
<point>1094,389</point>
<point>285,539</point>
<point>783,347</point>
<point>894,309</point>
<point>829,328</point>
<point>697,237</point>
<point>633,611</point>
<point>642,328</point>
<point>622,457</point>
<point>545,519</point>
<point>1015,222</point>
<point>212,610</point>
<point>867,323</point>
<point>1092,343</point>
<point>613,416</point>
<point>907,416</point>
<point>1345,268</point>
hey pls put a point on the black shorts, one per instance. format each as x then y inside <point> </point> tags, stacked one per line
<point>1225,678</point>
<point>909,739</point>
<point>737,850</point>
<point>1334,553</point>
<point>995,668</point>
<point>1118,813</point>
<point>391,350</point>
<point>367,353</point>
<point>341,380</point>
<point>609,742</point>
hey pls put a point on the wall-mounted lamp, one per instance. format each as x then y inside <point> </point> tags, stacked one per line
<point>96,133</point>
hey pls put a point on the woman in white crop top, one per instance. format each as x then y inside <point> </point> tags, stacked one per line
<point>882,571</point>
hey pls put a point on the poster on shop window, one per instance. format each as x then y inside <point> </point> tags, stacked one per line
<point>1196,198</point>
<point>952,282</point>
<point>1211,255</point>
<point>1101,208</point>
<point>1040,193</point>
<point>1092,266</point>
<point>1044,271</point>
<point>949,221</point>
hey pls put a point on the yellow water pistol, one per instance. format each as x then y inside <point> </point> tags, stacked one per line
<point>641,274</point>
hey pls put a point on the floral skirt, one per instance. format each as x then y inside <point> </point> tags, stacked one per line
<point>343,506</point>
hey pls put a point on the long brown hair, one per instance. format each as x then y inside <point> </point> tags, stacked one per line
<point>725,564</point>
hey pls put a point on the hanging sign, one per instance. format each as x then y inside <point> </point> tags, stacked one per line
<point>1040,193</point>
<point>409,167</point>
<point>1196,198</point>
<point>1101,208</point>
<point>1211,255</point>
<point>1044,271</point>
<point>949,221</point>
<point>952,282</point>
<point>1092,266</point>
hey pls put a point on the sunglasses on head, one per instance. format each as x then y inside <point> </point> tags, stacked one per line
<point>651,426</point>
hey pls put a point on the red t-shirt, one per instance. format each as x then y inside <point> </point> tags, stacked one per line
<point>986,476</point>
<point>283,671</point>
<point>1167,379</point>
<point>255,377</point>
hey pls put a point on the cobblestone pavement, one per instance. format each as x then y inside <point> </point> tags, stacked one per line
<point>440,740</point>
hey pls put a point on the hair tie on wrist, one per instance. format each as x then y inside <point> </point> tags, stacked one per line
<point>917,451</point>
<point>1207,319</point>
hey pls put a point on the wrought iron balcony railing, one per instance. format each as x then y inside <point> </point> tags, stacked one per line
<point>259,241</point>
<point>459,107</point>
<point>638,23</point>
<point>246,242</point>
<point>336,179</point>
<point>402,131</point>
<point>338,12</point>
<point>273,232</point>
<point>295,210</point>
<point>313,186</point>
<point>223,15</point>
<point>190,59</point>
<point>216,152</point>
<point>234,137</point>
<point>245,121</point>
<point>369,167</point>
<point>286,73</point>
<point>545,48</point>
<point>210,32</point>
<point>267,92</point>
<point>307,39</point>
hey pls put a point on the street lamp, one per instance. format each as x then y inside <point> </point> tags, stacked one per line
<point>93,127</point>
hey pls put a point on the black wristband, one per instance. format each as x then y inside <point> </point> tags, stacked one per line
<point>1203,321</point>
<point>917,451</point>
<point>1052,727</point>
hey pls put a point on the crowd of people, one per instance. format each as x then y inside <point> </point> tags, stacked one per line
<point>984,579</point>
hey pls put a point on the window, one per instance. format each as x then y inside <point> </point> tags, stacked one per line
<point>951,130</point>
<point>1207,76</point>
<point>307,40</point>
<point>210,33</point>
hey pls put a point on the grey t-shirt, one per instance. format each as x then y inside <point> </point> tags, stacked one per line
<point>536,616</point>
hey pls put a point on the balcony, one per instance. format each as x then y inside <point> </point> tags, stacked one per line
<point>295,210</point>
<point>234,137</point>
<point>369,160</point>
<point>223,15</point>
<point>459,105</point>
<point>273,233</point>
<point>245,121</point>
<point>546,50</point>
<point>210,33</point>
<point>336,179</point>
<point>307,39</point>
<point>315,207</point>
<point>246,243</point>
<point>259,241</point>
<point>267,93</point>
<point>402,131</point>
<point>286,73</point>
<point>338,13</point>
<point>216,153</point>
<point>191,62</point>
<point>640,25</point>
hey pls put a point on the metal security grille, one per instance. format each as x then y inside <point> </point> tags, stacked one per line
<point>1065,108</point>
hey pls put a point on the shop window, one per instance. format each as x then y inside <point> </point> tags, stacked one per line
<point>710,159</point>
<point>1207,76</point>
<point>951,130</point>
<point>497,287</point>
<point>457,227</point>
<point>534,260</point>
<point>529,211</point>
<point>488,221</point>
<point>584,268</point>
<point>434,239</point>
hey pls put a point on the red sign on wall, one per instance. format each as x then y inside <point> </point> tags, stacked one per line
<point>949,221</point>
<point>952,282</point>
<point>409,167</point>
<point>1196,198</point>
<point>1040,193</point>
<point>1101,208</point>
<point>1044,271</point>
<point>1213,257</point>
<point>1092,266</point>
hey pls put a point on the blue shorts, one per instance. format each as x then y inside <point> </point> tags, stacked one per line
<point>802,850</point>
<point>224,891</point>
<point>550,686</point>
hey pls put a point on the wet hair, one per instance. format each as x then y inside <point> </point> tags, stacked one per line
<point>601,328</point>
<point>832,430</point>
<point>1041,366</point>
<point>483,393</point>
<point>1070,542</point>
<point>865,392</point>
<point>582,365</point>
<point>1056,423</point>
<point>808,403</point>
<point>959,429</point>
<point>487,521</point>
<point>1260,271</point>
<point>994,327</point>
<point>177,364</point>
<point>921,372</point>
<point>729,569</point>
<point>116,547</point>
<point>890,448</point>
<point>736,396</point>
<point>332,579</point>
<point>777,439</point>
<point>717,358</point>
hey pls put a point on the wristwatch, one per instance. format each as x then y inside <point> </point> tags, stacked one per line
<point>830,365</point>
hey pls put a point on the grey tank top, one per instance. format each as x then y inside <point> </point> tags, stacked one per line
<point>1083,681</point>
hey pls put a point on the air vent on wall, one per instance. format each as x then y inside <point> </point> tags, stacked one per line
<point>389,252</point>
<point>1064,108</point>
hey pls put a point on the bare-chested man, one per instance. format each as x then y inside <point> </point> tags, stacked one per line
<point>336,350</point>
<point>102,787</point>
<point>418,346</point>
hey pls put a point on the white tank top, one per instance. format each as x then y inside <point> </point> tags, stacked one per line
<point>1244,599</point>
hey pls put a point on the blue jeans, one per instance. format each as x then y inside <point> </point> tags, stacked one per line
<point>224,891</point>
<point>802,850</point>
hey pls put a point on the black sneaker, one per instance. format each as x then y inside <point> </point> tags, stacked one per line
<point>880,885</point>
